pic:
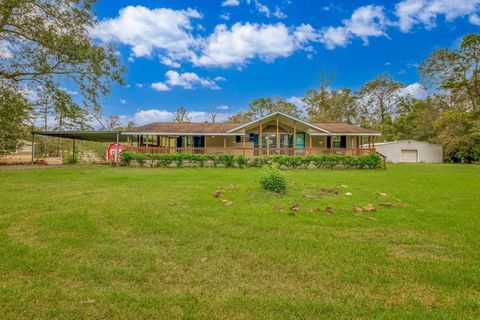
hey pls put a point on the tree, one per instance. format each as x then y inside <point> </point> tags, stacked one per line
<point>343,106</point>
<point>182,115</point>
<point>47,43</point>
<point>317,101</point>
<point>262,107</point>
<point>14,110</point>
<point>459,132</point>
<point>380,98</point>
<point>457,71</point>
<point>241,117</point>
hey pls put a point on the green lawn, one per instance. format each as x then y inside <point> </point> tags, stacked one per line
<point>131,243</point>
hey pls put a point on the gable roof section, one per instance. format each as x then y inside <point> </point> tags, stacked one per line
<point>345,128</point>
<point>185,128</point>
<point>282,114</point>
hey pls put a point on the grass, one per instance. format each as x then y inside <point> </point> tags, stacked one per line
<point>130,243</point>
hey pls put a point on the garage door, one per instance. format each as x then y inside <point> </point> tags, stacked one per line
<point>409,156</point>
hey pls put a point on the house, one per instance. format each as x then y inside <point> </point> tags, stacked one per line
<point>275,134</point>
<point>411,151</point>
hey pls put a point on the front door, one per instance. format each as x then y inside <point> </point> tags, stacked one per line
<point>300,142</point>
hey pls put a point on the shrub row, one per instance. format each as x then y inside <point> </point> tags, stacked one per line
<point>371,161</point>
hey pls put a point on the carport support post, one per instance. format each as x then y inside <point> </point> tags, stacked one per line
<point>117,158</point>
<point>73,150</point>
<point>33,147</point>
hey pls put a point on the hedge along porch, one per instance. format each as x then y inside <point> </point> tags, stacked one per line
<point>274,134</point>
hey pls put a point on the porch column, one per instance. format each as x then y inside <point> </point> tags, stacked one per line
<point>310,142</point>
<point>260,138</point>
<point>294,137</point>
<point>33,147</point>
<point>117,156</point>
<point>278,136</point>
<point>225,142</point>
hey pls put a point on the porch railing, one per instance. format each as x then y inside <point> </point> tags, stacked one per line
<point>254,151</point>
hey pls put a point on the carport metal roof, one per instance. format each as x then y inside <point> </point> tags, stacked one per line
<point>98,136</point>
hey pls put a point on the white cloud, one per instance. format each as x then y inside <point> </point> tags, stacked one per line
<point>225,16</point>
<point>187,80</point>
<point>416,90</point>
<point>146,30</point>
<point>139,85</point>
<point>220,79</point>
<point>367,21</point>
<point>230,3</point>
<point>5,51</point>
<point>297,101</point>
<point>335,37</point>
<point>169,62</point>
<point>160,115</point>
<point>243,42</point>
<point>122,101</point>
<point>160,86</point>
<point>425,12</point>
<point>223,107</point>
<point>475,19</point>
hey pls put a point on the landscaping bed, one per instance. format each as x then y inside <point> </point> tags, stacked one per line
<point>370,161</point>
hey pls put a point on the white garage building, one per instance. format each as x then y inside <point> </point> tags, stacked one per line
<point>411,151</point>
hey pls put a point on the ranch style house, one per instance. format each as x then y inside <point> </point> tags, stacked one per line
<point>275,134</point>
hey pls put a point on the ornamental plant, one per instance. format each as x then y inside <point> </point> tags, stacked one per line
<point>272,179</point>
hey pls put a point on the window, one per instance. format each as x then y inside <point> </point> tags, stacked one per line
<point>339,142</point>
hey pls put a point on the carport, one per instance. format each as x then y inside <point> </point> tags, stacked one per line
<point>95,136</point>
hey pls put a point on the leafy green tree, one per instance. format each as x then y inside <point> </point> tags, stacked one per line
<point>182,115</point>
<point>459,133</point>
<point>457,71</point>
<point>46,43</point>
<point>380,97</point>
<point>14,110</point>
<point>262,107</point>
<point>318,101</point>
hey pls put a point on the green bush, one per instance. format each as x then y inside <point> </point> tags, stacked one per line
<point>272,179</point>
<point>70,159</point>
<point>370,161</point>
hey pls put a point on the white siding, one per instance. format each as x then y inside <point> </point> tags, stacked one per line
<point>404,151</point>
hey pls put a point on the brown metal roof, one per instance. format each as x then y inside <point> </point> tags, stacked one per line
<point>223,127</point>
<point>187,127</point>
<point>340,127</point>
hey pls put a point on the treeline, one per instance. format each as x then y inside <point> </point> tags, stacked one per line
<point>449,115</point>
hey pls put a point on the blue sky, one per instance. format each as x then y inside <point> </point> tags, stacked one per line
<point>200,54</point>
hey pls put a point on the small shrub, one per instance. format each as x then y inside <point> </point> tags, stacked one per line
<point>272,179</point>
<point>126,158</point>
<point>241,161</point>
<point>70,159</point>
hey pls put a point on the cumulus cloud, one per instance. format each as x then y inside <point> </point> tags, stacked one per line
<point>425,12</point>
<point>230,3</point>
<point>187,80</point>
<point>297,101</point>
<point>243,42</point>
<point>146,30</point>
<point>160,86</point>
<point>416,90</point>
<point>367,21</point>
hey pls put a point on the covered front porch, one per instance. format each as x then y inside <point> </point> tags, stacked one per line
<point>272,135</point>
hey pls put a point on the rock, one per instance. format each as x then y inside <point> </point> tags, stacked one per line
<point>370,208</point>
<point>357,210</point>
<point>295,208</point>
<point>227,202</point>
<point>329,210</point>
<point>387,205</point>
<point>348,194</point>
<point>382,194</point>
